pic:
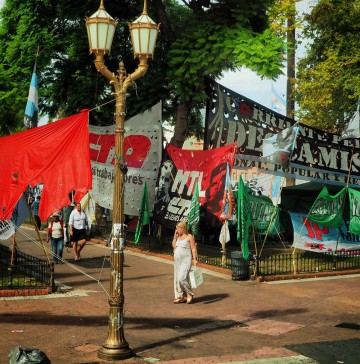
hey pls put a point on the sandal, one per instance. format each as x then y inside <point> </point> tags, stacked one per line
<point>189,299</point>
<point>179,300</point>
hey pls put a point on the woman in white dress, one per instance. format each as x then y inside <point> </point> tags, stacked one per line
<point>185,254</point>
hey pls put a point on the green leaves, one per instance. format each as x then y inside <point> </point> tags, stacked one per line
<point>328,77</point>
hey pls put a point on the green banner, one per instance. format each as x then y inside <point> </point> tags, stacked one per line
<point>194,212</point>
<point>262,210</point>
<point>244,218</point>
<point>354,197</point>
<point>144,216</point>
<point>327,210</point>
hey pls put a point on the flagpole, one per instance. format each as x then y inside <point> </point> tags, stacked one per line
<point>223,245</point>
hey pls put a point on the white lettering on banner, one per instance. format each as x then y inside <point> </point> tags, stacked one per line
<point>295,171</point>
<point>182,178</point>
<point>7,229</point>
<point>179,206</point>
<point>234,118</point>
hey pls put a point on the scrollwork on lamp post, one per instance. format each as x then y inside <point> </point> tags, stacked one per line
<point>101,30</point>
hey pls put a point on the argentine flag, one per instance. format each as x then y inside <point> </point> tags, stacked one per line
<point>31,111</point>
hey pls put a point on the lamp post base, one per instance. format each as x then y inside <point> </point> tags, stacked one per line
<point>115,353</point>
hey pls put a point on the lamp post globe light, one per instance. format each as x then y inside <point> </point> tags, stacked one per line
<point>101,29</point>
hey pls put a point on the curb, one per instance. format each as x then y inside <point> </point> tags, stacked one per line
<point>24,292</point>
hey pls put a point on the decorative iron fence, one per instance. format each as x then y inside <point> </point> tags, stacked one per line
<point>306,262</point>
<point>26,272</point>
<point>265,265</point>
<point>206,254</point>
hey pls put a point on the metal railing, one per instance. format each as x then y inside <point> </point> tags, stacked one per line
<point>305,262</point>
<point>26,272</point>
<point>265,265</point>
<point>279,263</point>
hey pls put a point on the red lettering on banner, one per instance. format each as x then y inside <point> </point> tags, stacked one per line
<point>136,149</point>
<point>314,231</point>
<point>101,146</point>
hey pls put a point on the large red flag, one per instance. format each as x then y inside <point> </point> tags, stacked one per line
<point>179,176</point>
<point>56,155</point>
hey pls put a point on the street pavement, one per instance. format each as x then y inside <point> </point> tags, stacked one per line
<point>296,321</point>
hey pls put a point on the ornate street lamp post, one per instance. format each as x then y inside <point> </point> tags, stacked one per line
<point>101,30</point>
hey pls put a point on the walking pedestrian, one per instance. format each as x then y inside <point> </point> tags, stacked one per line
<point>78,224</point>
<point>185,254</point>
<point>55,233</point>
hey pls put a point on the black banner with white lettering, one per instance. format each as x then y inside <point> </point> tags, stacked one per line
<point>318,155</point>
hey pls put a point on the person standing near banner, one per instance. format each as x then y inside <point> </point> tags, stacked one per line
<point>184,255</point>
<point>55,233</point>
<point>78,223</point>
<point>35,210</point>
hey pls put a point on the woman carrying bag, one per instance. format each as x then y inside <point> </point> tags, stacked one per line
<point>184,255</point>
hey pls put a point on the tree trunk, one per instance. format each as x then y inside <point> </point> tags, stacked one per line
<point>181,124</point>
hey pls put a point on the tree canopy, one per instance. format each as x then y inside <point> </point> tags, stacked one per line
<point>198,39</point>
<point>328,76</point>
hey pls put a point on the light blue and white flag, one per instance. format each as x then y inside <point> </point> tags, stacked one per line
<point>278,147</point>
<point>352,130</point>
<point>32,105</point>
<point>277,101</point>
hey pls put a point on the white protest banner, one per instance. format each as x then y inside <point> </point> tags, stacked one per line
<point>20,213</point>
<point>142,152</point>
<point>314,237</point>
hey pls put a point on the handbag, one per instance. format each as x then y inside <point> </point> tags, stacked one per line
<point>196,277</point>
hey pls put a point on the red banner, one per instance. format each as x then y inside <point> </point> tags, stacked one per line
<point>179,175</point>
<point>55,155</point>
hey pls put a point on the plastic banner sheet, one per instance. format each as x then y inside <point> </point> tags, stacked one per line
<point>142,152</point>
<point>311,236</point>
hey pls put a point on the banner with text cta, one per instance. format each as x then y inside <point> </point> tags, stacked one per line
<point>317,156</point>
<point>142,152</point>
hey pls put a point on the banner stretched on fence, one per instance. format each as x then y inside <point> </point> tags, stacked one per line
<point>142,151</point>
<point>318,156</point>
<point>178,177</point>
<point>20,214</point>
<point>317,238</point>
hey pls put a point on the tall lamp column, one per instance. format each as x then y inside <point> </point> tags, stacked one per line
<point>101,30</point>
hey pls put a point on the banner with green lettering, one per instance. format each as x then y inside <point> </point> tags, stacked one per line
<point>327,210</point>
<point>354,197</point>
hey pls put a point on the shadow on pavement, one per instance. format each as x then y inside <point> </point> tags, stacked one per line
<point>329,352</point>
<point>272,313</point>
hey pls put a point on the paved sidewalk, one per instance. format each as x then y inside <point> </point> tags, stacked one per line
<point>315,321</point>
